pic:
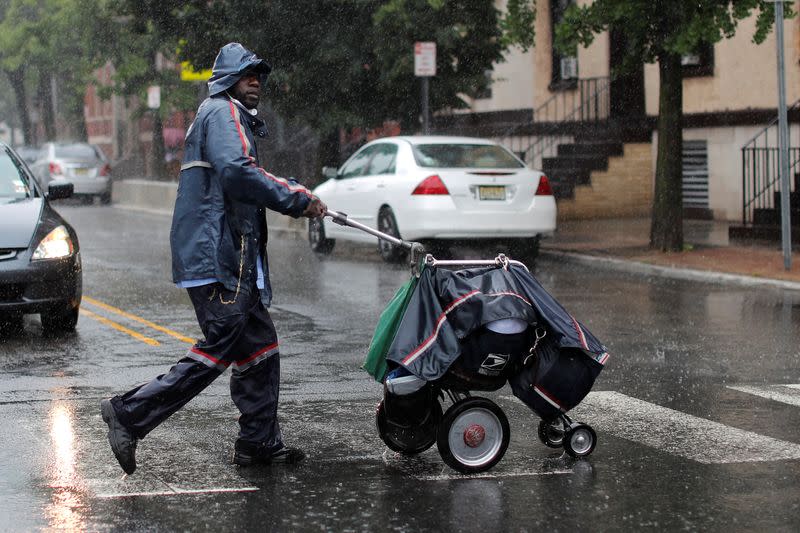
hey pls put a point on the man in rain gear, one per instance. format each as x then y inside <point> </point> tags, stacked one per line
<point>219,254</point>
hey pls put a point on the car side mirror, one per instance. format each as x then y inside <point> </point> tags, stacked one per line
<point>60,189</point>
<point>330,173</point>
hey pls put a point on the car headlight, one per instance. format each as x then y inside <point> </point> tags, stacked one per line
<point>56,244</point>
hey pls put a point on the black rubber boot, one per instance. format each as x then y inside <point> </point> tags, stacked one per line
<point>122,442</point>
<point>249,453</point>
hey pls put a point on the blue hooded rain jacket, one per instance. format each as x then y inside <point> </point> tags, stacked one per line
<point>219,226</point>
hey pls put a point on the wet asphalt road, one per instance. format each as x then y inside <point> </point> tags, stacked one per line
<point>697,411</point>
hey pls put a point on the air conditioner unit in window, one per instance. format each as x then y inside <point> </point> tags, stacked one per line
<point>691,60</point>
<point>569,68</point>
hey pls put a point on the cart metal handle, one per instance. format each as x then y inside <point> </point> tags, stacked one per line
<point>501,261</point>
<point>343,220</point>
<point>417,250</point>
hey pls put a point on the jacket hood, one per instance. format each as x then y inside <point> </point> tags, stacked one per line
<point>232,61</point>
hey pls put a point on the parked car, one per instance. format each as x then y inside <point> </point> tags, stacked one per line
<point>437,190</point>
<point>29,154</point>
<point>40,264</point>
<point>82,164</point>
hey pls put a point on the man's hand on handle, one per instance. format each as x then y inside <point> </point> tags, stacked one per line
<point>315,209</point>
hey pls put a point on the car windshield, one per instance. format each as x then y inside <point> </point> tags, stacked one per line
<point>13,181</point>
<point>461,155</point>
<point>76,151</point>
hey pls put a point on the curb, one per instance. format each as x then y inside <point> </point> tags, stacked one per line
<point>637,267</point>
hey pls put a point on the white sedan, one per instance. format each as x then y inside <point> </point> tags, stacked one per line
<point>436,190</point>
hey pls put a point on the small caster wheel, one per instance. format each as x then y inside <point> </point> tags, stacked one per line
<point>408,439</point>
<point>580,440</point>
<point>473,435</point>
<point>551,432</point>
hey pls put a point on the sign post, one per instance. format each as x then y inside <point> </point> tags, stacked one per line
<point>783,142</point>
<point>425,68</point>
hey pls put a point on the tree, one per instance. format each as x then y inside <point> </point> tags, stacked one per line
<point>136,39</point>
<point>663,31</point>
<point>344,63</point>
<point>44,45</point>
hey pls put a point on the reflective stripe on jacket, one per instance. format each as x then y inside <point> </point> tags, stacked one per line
<point>219,224</point>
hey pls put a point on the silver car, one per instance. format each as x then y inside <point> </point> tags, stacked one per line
<point>82,164</point>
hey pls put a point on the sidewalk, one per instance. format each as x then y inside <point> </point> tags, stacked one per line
<point>709,254</point>
<point>618,243</point>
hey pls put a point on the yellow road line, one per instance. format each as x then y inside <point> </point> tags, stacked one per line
<point>141,320</point>
<point>120,327</point>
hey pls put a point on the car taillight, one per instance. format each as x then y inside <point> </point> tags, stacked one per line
<point>431,185</point>
<point>55,168</point>
<point>106,170</point>
<point>544,188</point>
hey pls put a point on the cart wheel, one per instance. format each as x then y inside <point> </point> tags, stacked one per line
<point>408,440</point>
<point>473,436</point>
<point>580,440</point>
<point>551,432</point>
<point>319,243</point>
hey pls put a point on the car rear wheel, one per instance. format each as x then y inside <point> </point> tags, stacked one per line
<point>316,237</point>
<point>387,223</point>
<point>60,321</point>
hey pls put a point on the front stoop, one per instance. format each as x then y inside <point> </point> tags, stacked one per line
<point>623,188</point>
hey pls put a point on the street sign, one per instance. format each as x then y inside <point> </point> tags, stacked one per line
<point>154,97</point>
<point>188,73</point>
<point>424,59</point>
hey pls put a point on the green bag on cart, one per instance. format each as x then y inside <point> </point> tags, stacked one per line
<point>385,331</point>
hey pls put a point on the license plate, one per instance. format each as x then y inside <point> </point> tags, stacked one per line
<point>80,171</point>
<point>492,192</point>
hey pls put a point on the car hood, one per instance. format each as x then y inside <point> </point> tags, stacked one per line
<point>18,221</point>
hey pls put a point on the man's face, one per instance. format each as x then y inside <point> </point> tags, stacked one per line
<point>248,90</point>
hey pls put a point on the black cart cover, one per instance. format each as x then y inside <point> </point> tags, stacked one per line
<point>448,305</point>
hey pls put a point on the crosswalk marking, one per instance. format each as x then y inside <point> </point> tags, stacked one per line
<point>789,394</point>
<point>177,492</point>
<point>678,433</point>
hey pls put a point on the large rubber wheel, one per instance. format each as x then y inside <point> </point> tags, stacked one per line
<point>60,322</point>
<point>580,440</point>
<point>473,435</point>
<point>551,432</point>
<point>387,223</point>
<point>319,243</point>
<point>408,440</point>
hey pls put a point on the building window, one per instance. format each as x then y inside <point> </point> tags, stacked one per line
<point>700,63</point>
<point>565,67</point>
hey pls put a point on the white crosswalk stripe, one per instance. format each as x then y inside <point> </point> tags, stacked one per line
<point>677,433</point>
<point>789,394</point>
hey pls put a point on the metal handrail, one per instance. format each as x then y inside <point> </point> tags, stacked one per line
<point>590,104</point>
<point>760,175</point>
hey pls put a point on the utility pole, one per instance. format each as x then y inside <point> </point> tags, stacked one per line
<point>783,142</point>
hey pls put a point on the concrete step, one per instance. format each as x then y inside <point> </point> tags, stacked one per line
<point>586,162</point>
<point>762,232</point>
<point>794,200</point>
<point>772,216</point>
<point>591,148</point>
<point>564,180</point>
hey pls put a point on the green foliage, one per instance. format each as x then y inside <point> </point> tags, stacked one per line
<point>468,43</point>
<point>517,25</point>
<point>654,28</point>
<point>342,63</point>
